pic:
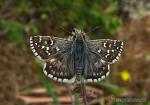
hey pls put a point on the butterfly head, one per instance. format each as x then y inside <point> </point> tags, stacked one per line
<point>78,35</point>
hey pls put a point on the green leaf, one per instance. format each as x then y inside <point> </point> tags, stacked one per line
<point>113,88</point>
<point>76,102</point>
<point>4,25</point>
<point>16,32</point>
<point>118,103</point>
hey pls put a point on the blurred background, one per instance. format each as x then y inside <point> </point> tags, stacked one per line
<point>21,78</point>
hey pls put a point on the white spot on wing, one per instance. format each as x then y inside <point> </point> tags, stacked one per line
<point>32,47</point>
<point>122,43</point>
<point>99,79</point>
<point>104,44</point>
<point>108,67</point>
<point>72,80</point>
<point>65,80</point>
<point>103,77</point>
<point>47,48</point>
<point>99,50</point>
<point>59,79</point>
<point>31,41</point>
<point>45,72</point>
<point>102,61</point>
<point>95,80</point>
<point>30,38</point>
<point>44,66</point>
<point>48,53</point>
<point>40,38</point>
<point>52,60</point>
<point>108,51</point>
<point>43,47</point>
<point>109,45</point>
<point>114,60</point>
<point>38,57</point>
<point>52,42</point>
<point>35,53</point>
<point>107,55</point>
<point>50,76</point>
<point>33,50</point>
<point>117,57</point>
<point>89,80</point>
<point>115,42</point>
<point>107,73</point>
<point>61,74</point>
<point>57,49</point>
<point>55,78</point>
<point>45,42</point>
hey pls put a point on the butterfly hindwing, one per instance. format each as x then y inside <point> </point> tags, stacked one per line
<point>95,70</point>
<point>108,50</point>
<point>59,68</point>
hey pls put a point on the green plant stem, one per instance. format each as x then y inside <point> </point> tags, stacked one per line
<point>83,88</point>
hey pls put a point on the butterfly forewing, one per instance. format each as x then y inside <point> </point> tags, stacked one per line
<point>108,50</point>
<point>56,53</point>
<point>45,46</point>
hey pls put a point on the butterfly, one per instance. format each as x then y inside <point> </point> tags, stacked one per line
<point>77,58</point>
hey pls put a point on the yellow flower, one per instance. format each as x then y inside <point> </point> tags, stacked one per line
<point>125,75</point>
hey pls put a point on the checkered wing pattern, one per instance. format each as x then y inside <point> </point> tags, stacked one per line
<point>108,50</point>
<point>59,53</point>
<point>60,68</point>
<point>95,70</point>
<point>100,54</point>
<point>45,46</point>
<point>56,53</point>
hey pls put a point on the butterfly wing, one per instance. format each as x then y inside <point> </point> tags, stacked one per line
<point>95,70</point>
<point>60,68</point>
<point>100,54</point>
<point>108,50</point>
<point>56,54</point>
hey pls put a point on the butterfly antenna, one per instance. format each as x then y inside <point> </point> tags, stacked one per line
<point>62,28</point>
<point>95,28</point>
